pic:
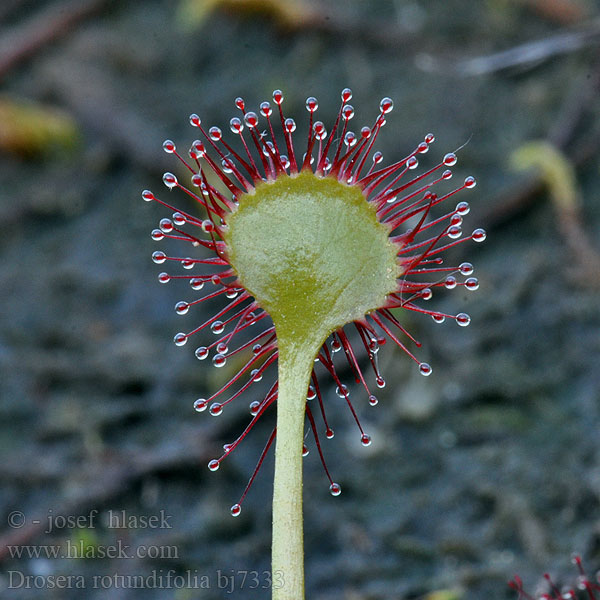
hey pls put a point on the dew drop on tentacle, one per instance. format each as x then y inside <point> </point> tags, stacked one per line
<point>170,180</point>
<point>380,382</point>
<point>478,235</point>
<point>470,182</point>
<point>350,141</point>
<point>181,308</point>
<point>188,263</point>
<point>454,232</point>
<point>311,104</point>
<point>201,353</point>
<point>290,125</point>
<point>180,339</point>
<point>429,138</point>
<point>412,162</point>
<point>236,125</point>
<point>256,375</point>
<point>213,465</point>
<point>450,159</point>
<point>216,408</point>
<point>219,360</point>
<point>425,369</point>
<point>157,235</point>
<point>342,391</point>
<point>147,195</point>
<point>462,319</point>
<point>256,349</point>
<point>197,150</point>
<point>166,225</point>
<point>265,109</point>
<point>450,282</point>
<point>251,119</point>
<point>462,208</point>
<point>373,400</point>
<point>197,283</point>
<point>236,510</point>
<point>277,97</point>
<point>335,489</point>
<point>456,219</point>
<point>365,439</point>
<point>346,95</point>
<point>222,348</point>
<point>472,284</point>
<point>196,179</point>
<point>311,394</point>
<point>178,219</point>
<point>466,268</point>
<point>319,130</point>
<point>217,327</point>
<point>164,277</point>
<point>329,434</point>
<point>215,134</point>
<point>254,406</point>
<point>305,450</point>
<point>200,405</point>
<point>438,318</point>
<point>386,106</point>
<point>168,146</point>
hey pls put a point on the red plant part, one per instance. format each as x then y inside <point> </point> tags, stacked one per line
<point>583,589</point>
<point>221,176</point>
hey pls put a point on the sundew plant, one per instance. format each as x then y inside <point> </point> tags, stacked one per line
<point>311,256</point>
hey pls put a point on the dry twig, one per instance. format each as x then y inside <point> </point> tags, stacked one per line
<point>520,195</point>
<point>21,43</point>
<point>531,53</point>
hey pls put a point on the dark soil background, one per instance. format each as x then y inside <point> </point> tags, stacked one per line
<point>488,468</point>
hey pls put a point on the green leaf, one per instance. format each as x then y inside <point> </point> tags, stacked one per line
<point>311,251</point>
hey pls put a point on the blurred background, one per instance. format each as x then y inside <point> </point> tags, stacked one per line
<point>486,469</point>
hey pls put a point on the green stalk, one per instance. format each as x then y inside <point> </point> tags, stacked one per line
<point>314,255</point>
<point>295,368</point>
